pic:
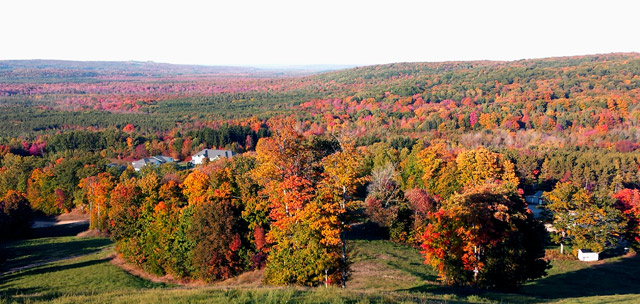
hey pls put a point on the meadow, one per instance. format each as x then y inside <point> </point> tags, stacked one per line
<point>382,272</point>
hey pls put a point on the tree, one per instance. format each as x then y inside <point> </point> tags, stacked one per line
<point>15,215</point>
<point>195,187</point>
<point>97,189</point>
<point>484,237</point>
<point>306,225</point>
<point>440,170</point>
<point>41,192</point>
<point>480,165</point>
<point>585,220</point>
<point>216,235</point>
<point>342,174</point>
<point>628,202</point>
<point>385,203</point>
<point>421,204</point>
<point>124,211</point>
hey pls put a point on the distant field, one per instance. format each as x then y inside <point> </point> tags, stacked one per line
<point>383,272</point>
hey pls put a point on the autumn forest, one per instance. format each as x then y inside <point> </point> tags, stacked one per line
<point>492,172</point>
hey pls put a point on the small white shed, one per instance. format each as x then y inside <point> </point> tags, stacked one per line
<point>587,255</point>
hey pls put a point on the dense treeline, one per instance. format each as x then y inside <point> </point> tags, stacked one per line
<point>286,206</point>
<point>228,134</point>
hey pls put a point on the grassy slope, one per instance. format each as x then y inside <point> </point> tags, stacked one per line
<point>23,253</point>
<point>383,272</point>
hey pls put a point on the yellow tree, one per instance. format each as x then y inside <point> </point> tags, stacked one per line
<point>195,186</point>
<point>481,165</point>
<point>97,189</point>
<point>307,225</point>
<point>587,221</point>
<point>440,170</point>
<point>40,191</point>
<point>341,176</point>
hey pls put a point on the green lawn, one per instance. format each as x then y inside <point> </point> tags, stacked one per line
<point>383,272</point>
<point>26,252</point>
<point>84,276</point>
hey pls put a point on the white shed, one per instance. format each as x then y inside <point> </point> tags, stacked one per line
<point>587,255</point>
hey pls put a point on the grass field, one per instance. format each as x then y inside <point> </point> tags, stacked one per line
<point>383,272</point>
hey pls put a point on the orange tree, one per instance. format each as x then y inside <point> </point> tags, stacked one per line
<point>307,197</point>
<point>97,189</point>
<point>484,237</point>
<point>285,170</point>
<point>628,202</point>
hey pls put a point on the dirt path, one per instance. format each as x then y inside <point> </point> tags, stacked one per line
<point>75,217</point>
<point>247,279</point>
<point>45,224</point>
<point>167,279</point>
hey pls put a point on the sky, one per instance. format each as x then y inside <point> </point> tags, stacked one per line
<point>344,32</point>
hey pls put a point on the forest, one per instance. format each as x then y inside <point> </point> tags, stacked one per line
<point>439,157</point>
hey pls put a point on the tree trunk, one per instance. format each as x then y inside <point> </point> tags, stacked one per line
<point>344,260</point>
<point>343,240</point>
<point>326,278</point>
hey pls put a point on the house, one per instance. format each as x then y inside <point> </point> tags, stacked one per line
<point>535,210</point>
<point>587,255</point>
<point>154,160</point>
<point>212,155</point>
<point>534,199</point>
<point>533,202</point>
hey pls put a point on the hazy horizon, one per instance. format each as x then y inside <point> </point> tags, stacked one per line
<point>290,33</point>
<point>303,65</point>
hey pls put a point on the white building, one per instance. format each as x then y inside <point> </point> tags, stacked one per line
<point>153,160</point>
<point>212,155</point>
<point>587,255</point>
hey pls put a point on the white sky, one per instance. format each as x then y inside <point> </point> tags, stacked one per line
<point>314,32</point>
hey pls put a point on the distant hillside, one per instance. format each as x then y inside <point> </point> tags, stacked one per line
<point>406,70</point>
<point>579,100</point>
<point>34,69</point>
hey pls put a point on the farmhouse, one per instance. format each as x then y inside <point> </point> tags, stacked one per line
<point>154,160</point>
<point>587,255</point>
<point>212,155</point>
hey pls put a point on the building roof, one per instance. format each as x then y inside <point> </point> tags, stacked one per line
<point>538,194</point>
<point>210,153</point>
<point>156,160</point>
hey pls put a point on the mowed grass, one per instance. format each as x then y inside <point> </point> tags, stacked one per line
<point>613,278</point>
<point>87,275</point>
<point>91,278</point>
<point>383,272</point>
<point>259,295</point>
<point>385,266</point>
<point>27,252</point>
